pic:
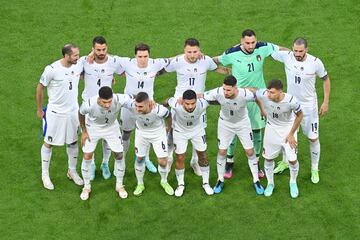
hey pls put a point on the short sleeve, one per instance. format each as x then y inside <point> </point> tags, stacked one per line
<point>211,65</point>
<point>85,107</point>
<point>320,68</point>
<point>171,67</point>
<point>172,102</point>
<point>46,76</point>
<point>295,105</point>
<point>279,55</point>
<point>261,94</point>
<point>123,63</point>
<point>161,63</point>
<point>211,95</point>
<point>247,94</point>
<point>162,111</point>
<point>271,48</point>
<point>224,59</point>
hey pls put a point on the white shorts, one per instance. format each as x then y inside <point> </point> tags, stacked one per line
<point>197,138</point>
<point>274,143</point>
<point>61,128</point>
<point>310,122</point>
<point>110,134</point>
<point>157,139</point>
<point>227,131</point>
<point>127,120</point>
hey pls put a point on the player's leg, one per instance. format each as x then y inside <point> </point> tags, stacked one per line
<point>160,146</point>
<point>46,151</point>
<point>230,159</point>
<point>171,149</point>
<point>315,157</point>
<point>73,152</point>
<point>225,137</point>
<point>141,146</point>
<point>105,163</point>
<point>257,139</point>
<point>180,143</point>
<point>272,148</point>
<point>291,155</point>
<point>72,148</point>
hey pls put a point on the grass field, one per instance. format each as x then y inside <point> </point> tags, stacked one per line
<point>33,33</point>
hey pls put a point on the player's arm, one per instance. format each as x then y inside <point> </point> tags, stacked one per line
<point>223,70</point>
<point>216,60</point>
<point>325,105</point>
<point>291,138</point>
<point>39,100</point>
<point>262,108</point>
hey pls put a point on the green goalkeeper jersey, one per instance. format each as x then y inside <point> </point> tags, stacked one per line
<point>248,68</point>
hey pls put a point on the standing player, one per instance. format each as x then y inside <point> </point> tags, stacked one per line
<point>188,126</point>
<point>150,130</point>
<point>61,79</point>
<point>280,132</point>
<point>247,61</point>
<point>301,70</point>
<point>101,123</point>
<point>234,121</point>
<point>191,69</point>
<point>140,75</point>
<point>97,74</point>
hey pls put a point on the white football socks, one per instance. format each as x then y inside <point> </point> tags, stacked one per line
<point>85,172</point>
<point>72,151</point>
<point>205,172</point>
<point>180,176</point>
<point>140,171</point>
<point>163,173</point>
<point>119,170</point>
<point>315,154</point>
<point>45,160</point>
<point>294,170</point>
<point>106,152</point>
<point>194,157</point>
<point>220,166</point>
<point>253,165</point>
<point>269,171</point>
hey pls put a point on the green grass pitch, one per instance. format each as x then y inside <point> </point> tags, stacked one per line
<point>32,34</point>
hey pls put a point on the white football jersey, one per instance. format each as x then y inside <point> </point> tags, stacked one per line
<point>190,75</point>
<point>97,75</point>
<point>97,116</point>
<point>232,110</point>
<point>301,76</point>
<point>62,86</point>
<point>141,79</point>
<point>185,121</point>
<point>279,114</point>
<point>152,121</point>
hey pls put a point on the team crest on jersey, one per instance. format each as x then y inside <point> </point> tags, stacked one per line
<point>50,138</point>
<point>278,108</point>
<point>195,69</point>
<point>72,72</point>
<point>102,70</point>
<point>145,73</point>
<point>258,57</point>
<point>302,68</point>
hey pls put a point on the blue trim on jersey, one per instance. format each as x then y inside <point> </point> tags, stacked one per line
<point>44,122</point>
<point>260,44</point>
<point>233,49</point>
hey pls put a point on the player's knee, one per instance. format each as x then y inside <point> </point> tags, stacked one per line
<point>222,152</point>
<point>118,155</point>
<point>74,144</point>
<point>313,140</point>
<point>88,156</point>
<point>293,162</point>
<point>47,145</point>
<point>163,162</point>
<point>249,152</point>
<point>203,160</point>
<point>140,159</point>
<point>180,161</point>
<point>126,135</point>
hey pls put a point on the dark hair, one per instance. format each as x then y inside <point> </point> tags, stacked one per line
<point>142,47</point>
<point>248,33</point>
<point>301,41</point>
<point>105,93</point>
<point>141,96</point>
<point>99,40</point>
<point>189,95</point>
<point>192,42</point>
<point>275,83</point>
<point>230,81</point>
<point>67,49</point>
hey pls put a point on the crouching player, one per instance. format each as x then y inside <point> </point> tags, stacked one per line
<point>234,120</point>
<point>150,129</point>
<point>101,123</point>
<point>283,119</point>
<point>188,126</point>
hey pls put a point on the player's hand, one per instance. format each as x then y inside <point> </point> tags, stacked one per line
<point>324,109</point>
<point>91,57</point>
<point>40,113</point>
<point>180,100</point>
<point>152,104</point>
<point>263,113</point>
<point>291,140</point>
<point>84,136</point>
<point>199,95</point>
